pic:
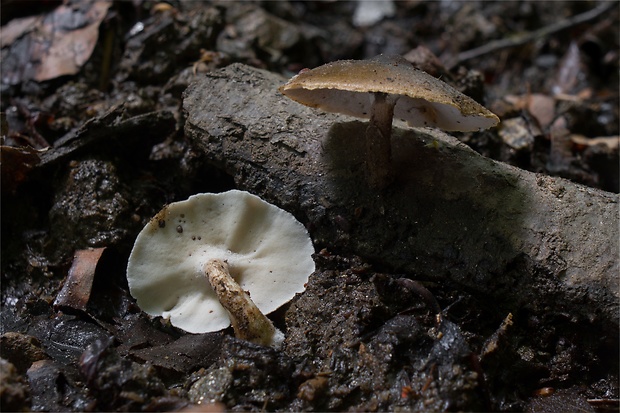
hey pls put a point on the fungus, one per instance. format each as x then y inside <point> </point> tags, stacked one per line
<point>195,260</point>
<point>382,88</point>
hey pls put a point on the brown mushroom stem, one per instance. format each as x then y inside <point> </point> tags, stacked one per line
<point>378,143</point>
<point>247,320</point>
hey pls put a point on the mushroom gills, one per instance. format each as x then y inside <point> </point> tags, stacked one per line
<point>420,113</point>
<point>417,112</point>
<point>356,104</point>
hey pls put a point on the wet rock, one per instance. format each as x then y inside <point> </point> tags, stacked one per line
<point>89,208</point>
<point>52,390</point>
<point>116,382</point>
<point>44,377</point>
<point>247,376</point>
<point>370,355</point>
<point>260,374</point>
<point>212,386</point>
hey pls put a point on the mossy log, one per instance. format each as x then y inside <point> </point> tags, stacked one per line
<point>515,239</point>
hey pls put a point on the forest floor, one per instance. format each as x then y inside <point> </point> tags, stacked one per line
<point>94,145</point>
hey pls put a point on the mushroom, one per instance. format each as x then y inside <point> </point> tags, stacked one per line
<point>194,261</point>
<point>379,89</point>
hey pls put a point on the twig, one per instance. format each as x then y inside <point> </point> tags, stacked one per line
<point>521,39</point>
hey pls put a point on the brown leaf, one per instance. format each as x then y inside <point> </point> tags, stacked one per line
<point>78,284</point>
<point>16,28</point>
<point>57,44</point>
<point>541,107</point>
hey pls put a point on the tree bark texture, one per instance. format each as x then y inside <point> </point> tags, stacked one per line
<point>515,239</point>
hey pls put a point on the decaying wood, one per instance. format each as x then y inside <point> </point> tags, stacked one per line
<point>517,240</point>
<point>111,130</point>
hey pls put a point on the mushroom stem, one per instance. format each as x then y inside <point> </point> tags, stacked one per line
<point>247,320</point>
<point>378,144</point>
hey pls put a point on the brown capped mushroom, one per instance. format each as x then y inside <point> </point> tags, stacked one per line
<point>379,89</point>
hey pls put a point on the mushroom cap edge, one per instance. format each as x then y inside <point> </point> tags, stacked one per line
<point>346,86</point>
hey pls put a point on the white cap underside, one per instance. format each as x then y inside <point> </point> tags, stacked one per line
<point>267,249</point>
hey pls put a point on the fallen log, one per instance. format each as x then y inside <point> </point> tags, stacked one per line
<point>516,239</point>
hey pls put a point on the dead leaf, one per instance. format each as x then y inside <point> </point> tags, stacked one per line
<point>581,142</point>
<point>541,107</point>
<point>568,72</point>
<point>16,28</point>
<point>57,44</point>
<point>518,101</point>
<point>75,292</point>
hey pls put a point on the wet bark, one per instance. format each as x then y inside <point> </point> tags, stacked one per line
<point>517,240</point>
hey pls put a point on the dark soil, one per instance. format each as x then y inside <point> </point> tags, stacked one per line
<point>89,158</point>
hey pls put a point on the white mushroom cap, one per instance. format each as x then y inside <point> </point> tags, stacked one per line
<point>347,86</point>
<point>269,253</point>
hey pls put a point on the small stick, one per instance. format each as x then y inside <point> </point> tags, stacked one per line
<point>247,320</point>
<point>522,39</point>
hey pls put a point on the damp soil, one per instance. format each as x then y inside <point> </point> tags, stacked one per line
<point>89,158</point>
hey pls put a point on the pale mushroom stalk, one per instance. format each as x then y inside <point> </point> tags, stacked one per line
<point>247,320</point>
<point>378,137</point>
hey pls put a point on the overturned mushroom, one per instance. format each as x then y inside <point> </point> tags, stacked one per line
<point>246,318</point>
<point>379,89</point>
<point>233,241</point>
